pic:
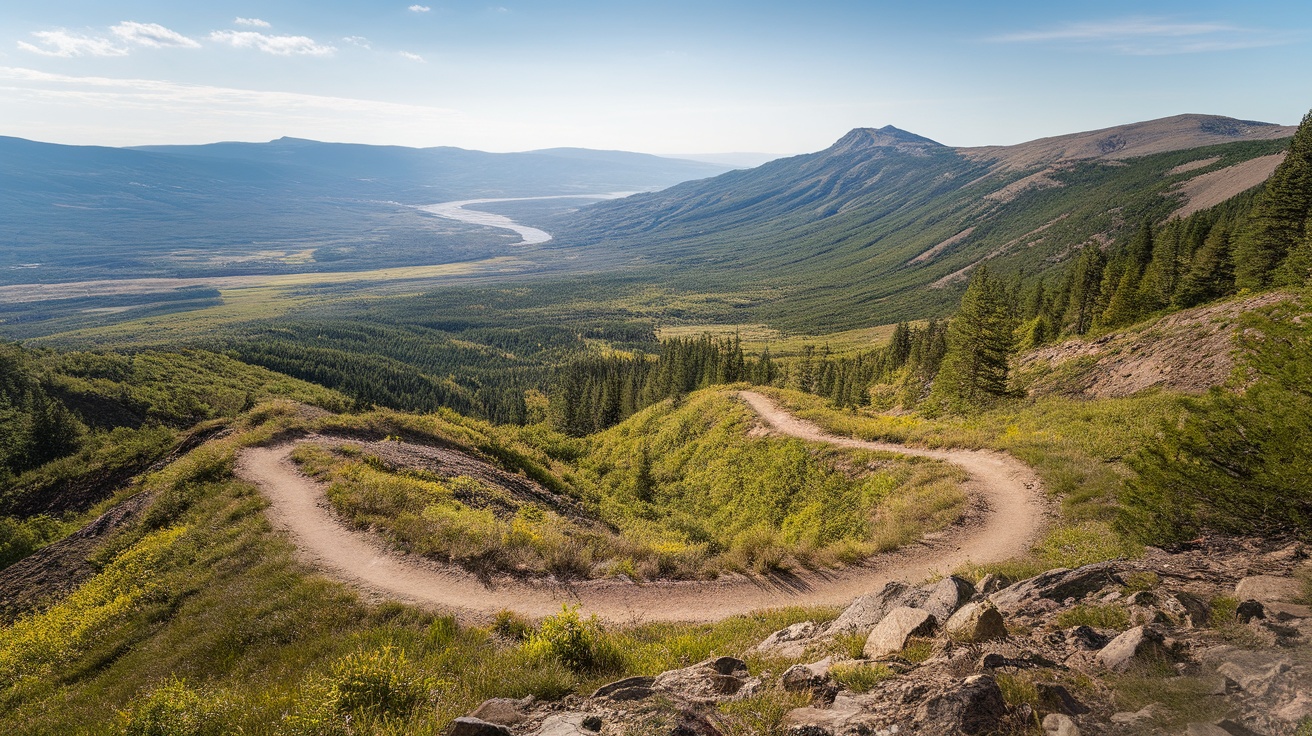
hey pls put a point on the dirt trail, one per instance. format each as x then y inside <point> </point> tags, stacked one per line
<point>1012,515</point>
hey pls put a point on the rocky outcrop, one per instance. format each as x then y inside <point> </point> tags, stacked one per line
<point>976,622</point>
<point>891,634</point>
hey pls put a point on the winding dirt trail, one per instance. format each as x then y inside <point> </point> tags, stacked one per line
<point>1012,515</point>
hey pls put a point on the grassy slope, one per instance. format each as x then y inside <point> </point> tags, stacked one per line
<point>202,590</point>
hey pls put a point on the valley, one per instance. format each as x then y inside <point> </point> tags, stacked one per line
<point>1006,439</point>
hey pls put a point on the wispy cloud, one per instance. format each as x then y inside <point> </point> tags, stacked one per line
<point>419,8</point>
<point>276,45</point>
<point>64,44</point>
<point>1150,36</point>
<point>412,57</point>
<point>255,22</point>
<point>360,41</point>
<point>152,35</point>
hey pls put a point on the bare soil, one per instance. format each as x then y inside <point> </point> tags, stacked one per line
<point>1215,187</point>
<point>1012,511</point>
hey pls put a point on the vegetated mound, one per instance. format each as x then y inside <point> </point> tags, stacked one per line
<point>685,489</point>
<point>1189,351</point>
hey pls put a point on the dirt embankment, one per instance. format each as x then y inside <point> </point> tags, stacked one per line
<point>1012,512</point>
<point>1189,351</point>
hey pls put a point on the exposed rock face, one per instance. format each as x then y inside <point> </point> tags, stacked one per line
<point>708,682</point>
<point>947,596</point>
<point>1057,585</point>
<point>976,622</point>
<point>1057,724</point>
<point>1269,589</point>
<point>870,609</point>
<point>477,727</point>
<point>503,711</point>
<point>812,676</point>
<point>975,706</point>
<point>630,688</point>
<point>892,633</point>
<point>1140,645</point>
<point>791,641</point>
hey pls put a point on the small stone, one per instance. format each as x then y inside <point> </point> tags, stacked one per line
<point>567,724</point>
<point>992,661</point>
<point>1142,598</point>
<point>1083,637</point>
<point>466,726</point>
<point>990,584</point>
<point>1140,644</point>
<point>801,677</point>
<point>891,634</point>
<point>592,723</point>
<point>1250,610</point>
<point>1056,698</point>
<point>1269,589</point>
<point>1058,724</point>
<point>1148,712</point>
<point>976,622</point>
<point>630,688</point>
<point>502,711</point>
<point>1188,609</point>
<point>973,706</point>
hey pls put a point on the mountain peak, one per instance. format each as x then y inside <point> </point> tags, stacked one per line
<point>859,139</point>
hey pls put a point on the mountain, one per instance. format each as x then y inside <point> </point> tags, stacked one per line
<point>732,159</point>
<point>886,225</point>
<point>74,212</point>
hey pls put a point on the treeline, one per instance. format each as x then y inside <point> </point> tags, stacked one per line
<point>35,427</point>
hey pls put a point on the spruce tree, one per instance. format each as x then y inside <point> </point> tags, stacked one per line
<point>1278,221</point>
<point>980,340</point>
<point>1211,275</point>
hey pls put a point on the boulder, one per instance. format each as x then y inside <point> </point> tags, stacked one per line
<point>1057,699</point>
<point>630,688</point>
<point>790,641</point>
<point>1250,610</point>
<point>1187,609</point>
<point>1269,589</point>
<point>870,609</point>
<point>972,706</point>
<point>1225,727</point>
<point>706,682</point>
<point>1083,637</point>
<point>806,676</point>
<point>1057,724</point>
<point>1140,644</point>
<point>1286,612</point>
<point>1057,585</point>
<point>947,596</point>
<point>568,724</point>
<point>466,726</point>
<point>1254,671</point>
<point>891,634</point>
<point>990,584</point>
<point>846,714</point>
<point>976,622</point>
<point>502,711</point>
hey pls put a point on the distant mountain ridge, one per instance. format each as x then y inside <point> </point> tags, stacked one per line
<point>76,212</point>
<point>892,222</point>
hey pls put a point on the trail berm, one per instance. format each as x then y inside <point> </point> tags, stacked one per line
<point>1010,503</point>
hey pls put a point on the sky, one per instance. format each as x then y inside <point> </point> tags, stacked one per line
<point>665,77</point>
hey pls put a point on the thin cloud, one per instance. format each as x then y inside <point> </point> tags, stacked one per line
<point>419,8</point>
<point>152,35</point>
<point>276,45</point>
<point>256,22</point>
<point>1145,36</point>
<point>360,41</point>
<point>412,57</point>
<point>66,45</point>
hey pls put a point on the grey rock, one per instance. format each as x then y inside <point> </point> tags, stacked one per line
<point>976,622</point>
<point>1285,612</point>
<point>1254,671</point>
<point>973,706</point>
<point>947,596</point>
<point>891,634</point>
<point>706,682</point>
<point>1269,589</point>
<point>990,584</point>
<point>1058,724</point>
<point>502,711</point>
<point>1140,644</point>
<point>790,641</point>
<point>1146,713</point>
<point>567,724</point>
<point>1250,610</point>
<point>1057,585</point>
<point>630,688</point>
<point>466,726</point>
<point>801,677</point>
<point>1056,698</point>
<point>844,715</point>
<point>1187,608</point>
<point>1083,637</point>
<point>1225,727</point>
<point>870,609</point>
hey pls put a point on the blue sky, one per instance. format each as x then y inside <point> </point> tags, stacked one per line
<point>662,77</point>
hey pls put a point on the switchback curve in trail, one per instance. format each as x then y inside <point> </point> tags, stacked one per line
<point>1012,512</point>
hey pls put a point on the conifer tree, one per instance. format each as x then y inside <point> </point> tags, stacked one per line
<point>1278,221</point>
<point>980,340</point>
<point>1211,275</point>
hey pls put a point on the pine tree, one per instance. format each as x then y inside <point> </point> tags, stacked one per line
<point>1211,275</point>
<point>980,340</point>
<point>1085,283</point>
<point>1278,221</point>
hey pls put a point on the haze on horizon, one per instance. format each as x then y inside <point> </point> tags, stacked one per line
<point>670,77</point>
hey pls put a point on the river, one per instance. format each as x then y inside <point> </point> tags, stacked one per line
<point>528,235</point>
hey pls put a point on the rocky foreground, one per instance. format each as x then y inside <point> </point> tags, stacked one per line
<point>1208,640</point>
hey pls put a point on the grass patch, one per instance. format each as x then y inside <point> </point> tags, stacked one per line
<point>860,677</point>
<point>917,650</point>
<point>760,714</point>
<point>1109,616</point>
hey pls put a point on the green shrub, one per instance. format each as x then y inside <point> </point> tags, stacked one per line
<point>174,709</point>
<point>377,684</point>
<point>511,625</point>
<point>21,537</point>
<point>578,644</point>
